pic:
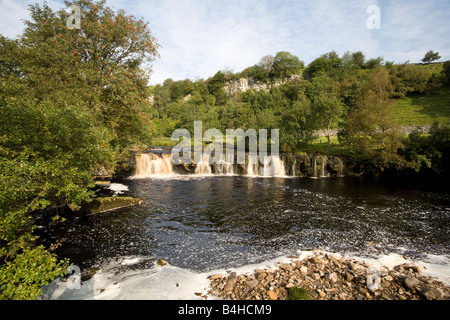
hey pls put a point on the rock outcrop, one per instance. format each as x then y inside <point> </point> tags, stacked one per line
<point>245,84</point>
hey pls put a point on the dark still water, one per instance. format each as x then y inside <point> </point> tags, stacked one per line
<point>206,223</point>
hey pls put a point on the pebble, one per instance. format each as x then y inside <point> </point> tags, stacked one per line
<point>216,276</point>
<point>272,295</point>
<point>328,277</point>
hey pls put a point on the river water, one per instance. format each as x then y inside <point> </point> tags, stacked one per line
<point>205,223</point>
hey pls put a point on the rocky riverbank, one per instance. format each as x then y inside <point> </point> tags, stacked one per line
<point>324,276</point>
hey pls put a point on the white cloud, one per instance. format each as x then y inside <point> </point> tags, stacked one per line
<point>13,12</point>
<point>410,29</point>
<point>200,37</point>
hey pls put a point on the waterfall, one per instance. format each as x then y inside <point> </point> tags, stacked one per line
<point>314,167</point>
<point>324,163</point>
<point>160,164</point>
<point>148,164</point>
<point>341,168</point>
<point>273,166</point>
<point>294,165</point>
<point>204,167</point>
<point>224,167</point>
<point>253,165</point>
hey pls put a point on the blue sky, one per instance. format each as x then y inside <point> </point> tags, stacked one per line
<point>200,37</point>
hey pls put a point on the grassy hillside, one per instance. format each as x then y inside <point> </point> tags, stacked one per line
<point>424,109</point>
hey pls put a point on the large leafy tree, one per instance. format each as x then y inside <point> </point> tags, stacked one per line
<point>370,131</point>
<point>70,100</point>
<point>104,65</point>
<point>328,107</point>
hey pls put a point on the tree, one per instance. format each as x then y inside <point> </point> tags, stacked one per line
<point>327,106</point>
<point>215,87</point>
<point>286,65</point>
<point>430,153</point>
<point>370,132</point>
<point>446,70</point>
<point>47,155</point>
<point>295,125</point>
<point>70,100</point>
<point>266,63</point>
<point>99,65</point>
<point>358,58</point>
<point>329,63</point>
<point>431,56</point>
<point>256,72</point>
<point>408,78</point>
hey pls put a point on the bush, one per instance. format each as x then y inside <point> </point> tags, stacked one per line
<point>23,277</point>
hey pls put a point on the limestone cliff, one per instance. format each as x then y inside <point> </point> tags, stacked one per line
<point>245,84</point>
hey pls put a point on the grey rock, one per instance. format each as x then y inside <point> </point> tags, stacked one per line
<point>411,282</point>
<point>333,277</point>
<point>348,276</point>
<point>252,283</point>
<point>433,294</point>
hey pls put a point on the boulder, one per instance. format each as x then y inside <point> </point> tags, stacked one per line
<point>411,282</point>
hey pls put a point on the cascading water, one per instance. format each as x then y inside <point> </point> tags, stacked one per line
<point>252,165</point>
<point>224,167</point>
<point>160,164</point>
<point>149,164</point>
<point>294,164</point>
<point>273,166</point>
<point>322,169</point>
<point>204,166</point>
<point>314,168</point>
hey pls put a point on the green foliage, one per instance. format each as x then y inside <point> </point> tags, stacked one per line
<point>256,72</point>
<point>446,70</point>
<point>23,277</point>
<point>370,132</point>
<point>70,100</point>
<point>296,293</point>
<point>327,106</point>
<point>97,66</point>
<point>408,78</point>
<point>431,151</point>
<point>328,63</point>
<point>431,56</point>
<point>215,87</point>
<point>286,65</point>
<point>295,125</point>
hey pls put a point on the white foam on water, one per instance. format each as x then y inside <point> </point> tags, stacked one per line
<point>158,283</point>
<point>118,188</point>
<point>437,266</point>
<point>130,261</point>
<point>174,283</point>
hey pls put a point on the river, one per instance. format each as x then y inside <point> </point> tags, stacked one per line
<point>203,223</point>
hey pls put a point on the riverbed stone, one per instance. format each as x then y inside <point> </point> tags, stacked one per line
<point>272,295</point>
<point>433,294</point>
<point>333,277</point>
<point>216,276</point>
<point>411,282</point>
<point>328,278</point>
<point>252,283</point>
